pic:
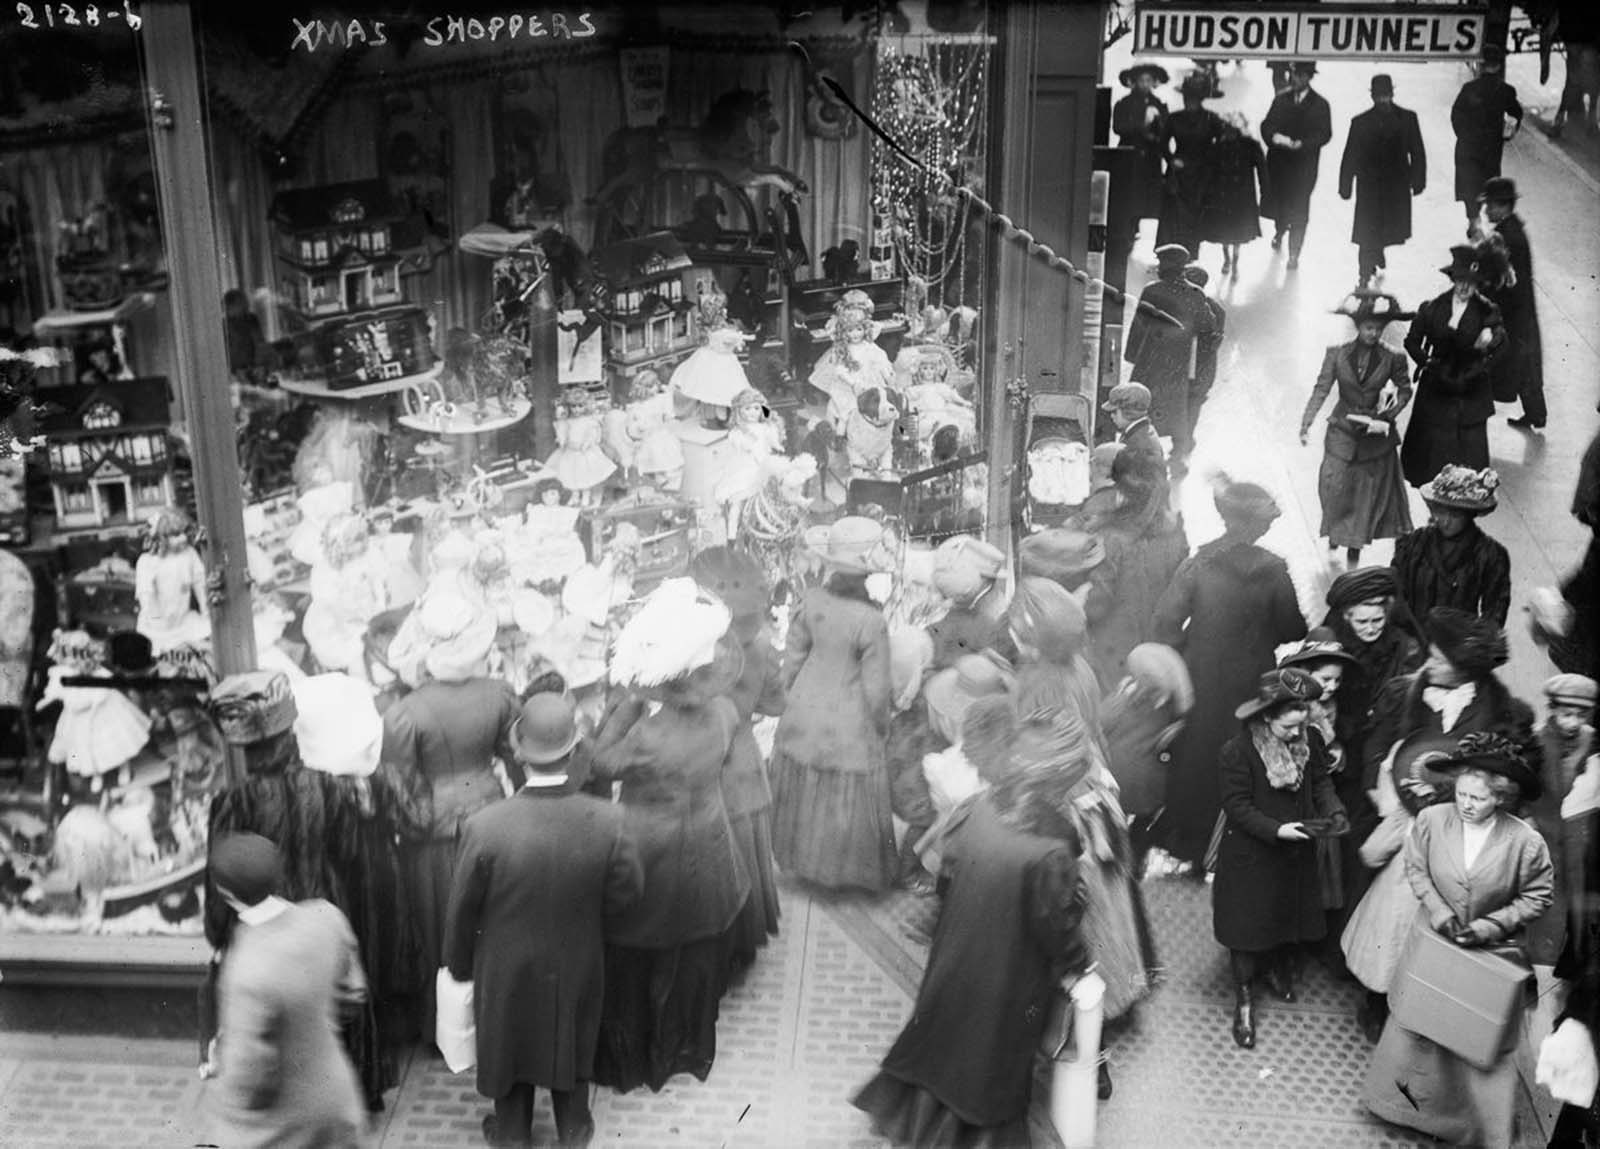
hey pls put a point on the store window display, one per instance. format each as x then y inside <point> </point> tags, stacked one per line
<point>170,585</point>
<point>853,363</point>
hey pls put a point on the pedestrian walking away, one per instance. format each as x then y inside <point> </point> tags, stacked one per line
<point>1192,132</point>
<point>1296,129</point>
<point>1164,354</point>
<point>1485,115</point>
<point>1384,166</point>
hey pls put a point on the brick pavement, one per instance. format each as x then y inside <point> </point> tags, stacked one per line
<point>805,1028</point>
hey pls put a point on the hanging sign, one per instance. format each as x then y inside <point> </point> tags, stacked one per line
<point>644,86</point>
<point>1309,31</point>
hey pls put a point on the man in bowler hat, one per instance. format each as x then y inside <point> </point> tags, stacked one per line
<point>537,877</point>
<point>1518,371</point>
<point>1296,129</point>
<point>1485,115</point>
<point>1384,165</point>
<point>1164,354</point>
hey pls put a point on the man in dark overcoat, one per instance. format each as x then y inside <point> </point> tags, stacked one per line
<point>1208,348</point>
<point>1479,118</point>
<point>1164,353</point>
<point>1296,129</point>
<point>1384,165</point>
<point>1518,371</point>
<point>537,878</point>
<point>1140,121</point>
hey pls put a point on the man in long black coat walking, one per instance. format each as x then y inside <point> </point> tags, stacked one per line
<point>1479,117</point>
<point>538,875</point>
<point>1384,165</point>
<point>1518,372</point>
<point>1165,354</point>
<point>1296,129</point>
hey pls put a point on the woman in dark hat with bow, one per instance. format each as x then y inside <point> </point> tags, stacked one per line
<point>1452,340</point>
<point>1276,799</point>
<point>1451,562</point>
<point>1194,130</point>
<point>1230,606</point>
<point>1376,629</point>
<point>1140,121</point>
<point>1415,1082</point>
<point>1362,491</point>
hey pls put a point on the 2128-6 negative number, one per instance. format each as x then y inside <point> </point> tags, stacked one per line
<point>69,16</point>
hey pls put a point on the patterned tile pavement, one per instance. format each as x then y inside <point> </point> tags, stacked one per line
<point>804,1029</point>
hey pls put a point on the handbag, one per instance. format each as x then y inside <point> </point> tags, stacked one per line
<point>1465,1000</point>
<point>456,1028</point>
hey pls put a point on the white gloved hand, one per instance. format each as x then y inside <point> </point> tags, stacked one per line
<point>1567,1065</point>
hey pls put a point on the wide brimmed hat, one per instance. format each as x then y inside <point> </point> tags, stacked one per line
<point>1060,553</point>
<point>338,726</point>
<point>674,633</point>
<point>1045,615</point>
<point>1172,257</point>
<point>950,693</point>
<point>1463,489</point>
<point>1364,584</point>
<point>247,866</point>
<point>1289,685</point>
<point>855,544</point>
<point>1572,689</point>
<point>1364,304</point>
<point>1128,397</point>
<point>546,731</point>
<point>1496,754</point>
<point>736,578</point>
<point>1161,669</point>
<point>456,635</point>
<point>1423,756</point>
<point>1499,189</point>
<point>1467,262</point>
<point>1475,646</point>
<point>1320,645</point>
<point>1128,75</point>
<point>1244,502</point>
<point>253,706</point>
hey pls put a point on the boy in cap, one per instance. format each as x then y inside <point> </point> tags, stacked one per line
<point>1296,129</point>
<point>1129,408</point>
<point>1566,741</point>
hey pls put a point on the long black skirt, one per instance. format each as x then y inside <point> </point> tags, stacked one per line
<point>660,1013</point>
<point>909,1115</point>
<point>1432,442</point>
<point>758,920</point>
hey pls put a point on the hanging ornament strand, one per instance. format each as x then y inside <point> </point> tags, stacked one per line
<point>1012,229</point>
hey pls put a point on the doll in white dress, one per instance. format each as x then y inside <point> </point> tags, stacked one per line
<point>712,374</point>
<point>169,583</point>
<point>349,587</point>
<point>869,435</point>
<point>656,450</point>
<point>755,443</point>
<point>546,548</point>
<point>854,363</point>
<point>927,375</point>
<point>579,462</point>
<point>100,729</point>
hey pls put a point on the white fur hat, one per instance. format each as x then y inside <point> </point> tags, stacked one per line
<point>338,726</point>
<point>674,633</point>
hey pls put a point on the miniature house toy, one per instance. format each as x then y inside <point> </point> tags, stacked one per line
<point>650,317</point>
<point>107,450</point>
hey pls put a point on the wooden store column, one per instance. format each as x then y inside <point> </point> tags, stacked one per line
<point>1050,67</point>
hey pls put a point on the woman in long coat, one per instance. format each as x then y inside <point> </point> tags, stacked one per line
<point>1193,131</point>
<point>1452,341</point>
<point>961,1071</point>
<point>1231,211</point>
<point>1360,486</point>
<point>831,821</point>
<point>738,580</point>
<point>1144,545</point>
<point>1140,121</point>
<point>1482,875</point>
<point>1229,608</point>
<point>1275,793</point>
<point>667,955</point>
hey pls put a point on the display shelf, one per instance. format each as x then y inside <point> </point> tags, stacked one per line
<point>103,959</point>
<point>464,423</point>
<point>66,322</point>
<point>319,389</point>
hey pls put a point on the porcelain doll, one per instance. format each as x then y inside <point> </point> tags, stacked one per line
<point>869,435</point>
<point>712,374</point>
<point>657,451</point>
<point>170,585</point>
<point>579,463</point>
<point>854,363</point>
<point>546,547</point>
<point>755,443</point>
<point>100,729</point>
<point>349,587</point>
<point>927,374</point>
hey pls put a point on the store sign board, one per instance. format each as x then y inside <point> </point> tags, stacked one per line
<point>644,85</point>
<point>1309,31</point>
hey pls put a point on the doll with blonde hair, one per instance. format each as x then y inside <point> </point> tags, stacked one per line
<point>170,585</point>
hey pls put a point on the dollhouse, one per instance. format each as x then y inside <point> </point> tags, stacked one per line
<point>650,321</point>
<point>345,248</point>
<point>107,450</point>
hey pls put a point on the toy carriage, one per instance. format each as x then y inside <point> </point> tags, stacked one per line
<point>1056,446</point>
